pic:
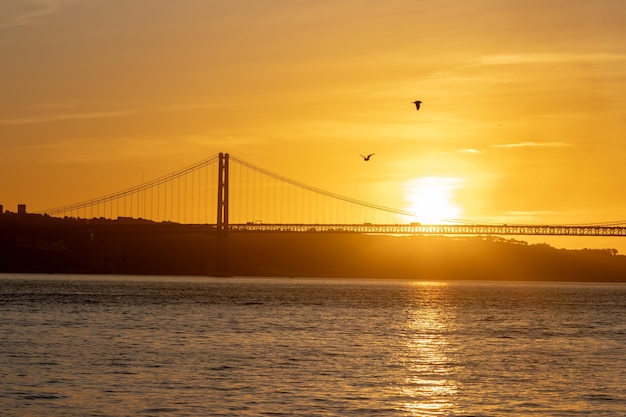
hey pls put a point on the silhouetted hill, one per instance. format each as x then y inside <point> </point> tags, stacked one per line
<point>418,257</point>
<point>33,243</point>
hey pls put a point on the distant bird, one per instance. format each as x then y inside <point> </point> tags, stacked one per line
<point>417,104</point>
<point>367,158</point>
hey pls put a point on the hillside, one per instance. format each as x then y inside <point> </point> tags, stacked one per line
<point>32,243</point>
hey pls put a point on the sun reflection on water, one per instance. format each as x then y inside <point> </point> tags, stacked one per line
<point>430,385</point>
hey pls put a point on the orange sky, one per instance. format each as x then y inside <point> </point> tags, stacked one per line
<point>522,121</point>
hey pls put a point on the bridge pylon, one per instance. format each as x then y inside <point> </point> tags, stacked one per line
<point>221,263</point>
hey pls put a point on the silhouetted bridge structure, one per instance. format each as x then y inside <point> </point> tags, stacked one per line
<point>390,229</point>
<point>437,229</point>
<point>193,196</point>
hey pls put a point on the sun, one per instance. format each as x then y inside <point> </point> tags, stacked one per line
<point>432,199</point>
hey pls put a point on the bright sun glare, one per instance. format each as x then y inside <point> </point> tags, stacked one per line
<point>432,199</point>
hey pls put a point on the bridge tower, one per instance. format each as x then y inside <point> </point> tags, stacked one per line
<point>221,265</point>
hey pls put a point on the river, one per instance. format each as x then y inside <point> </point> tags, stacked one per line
<point>87,345</point>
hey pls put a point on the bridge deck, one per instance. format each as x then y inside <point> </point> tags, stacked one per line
<point>131,226</point>
<point>438,229</point>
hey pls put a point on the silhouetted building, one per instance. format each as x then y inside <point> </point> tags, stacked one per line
<point>1,209</point>
<point>21,209</point>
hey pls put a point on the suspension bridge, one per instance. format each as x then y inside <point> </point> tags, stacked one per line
<point>226,194</point>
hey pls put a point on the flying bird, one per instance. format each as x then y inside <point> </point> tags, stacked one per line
<point>367,158</point>
<point>417,104</point>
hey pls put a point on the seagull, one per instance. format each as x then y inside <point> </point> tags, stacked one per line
<point>417,104</point>
<point>367,158</point>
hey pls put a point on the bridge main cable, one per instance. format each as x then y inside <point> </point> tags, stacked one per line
<point>132,190</point>
<point>319,190</point>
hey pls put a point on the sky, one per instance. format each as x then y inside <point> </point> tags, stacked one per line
<point>522,121</point>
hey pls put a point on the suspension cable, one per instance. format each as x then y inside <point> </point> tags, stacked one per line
<point>319,190</point>
<point>131,190</point>
<point>191,169</point>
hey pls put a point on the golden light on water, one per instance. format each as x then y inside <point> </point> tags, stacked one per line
<point>430,384</point>
<point>432,198</point>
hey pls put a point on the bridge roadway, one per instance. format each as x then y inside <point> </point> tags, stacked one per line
<point>437,229</point>
<point>366,228</point>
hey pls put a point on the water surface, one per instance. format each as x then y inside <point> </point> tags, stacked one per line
<point>180,346</point>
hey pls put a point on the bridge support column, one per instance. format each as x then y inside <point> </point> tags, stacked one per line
<point>221,261</point>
